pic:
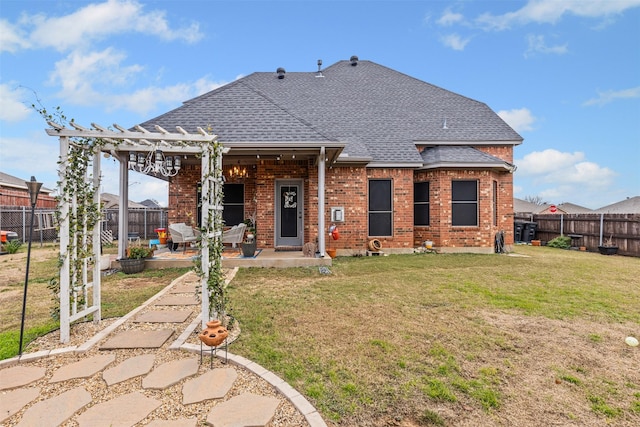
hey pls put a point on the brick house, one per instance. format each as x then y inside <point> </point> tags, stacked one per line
<point>383,156</point>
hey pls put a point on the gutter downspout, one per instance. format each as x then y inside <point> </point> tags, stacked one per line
<point>321,234</point>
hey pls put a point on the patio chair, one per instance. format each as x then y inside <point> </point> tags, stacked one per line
<point>184,234</point>
<point>234,235</point>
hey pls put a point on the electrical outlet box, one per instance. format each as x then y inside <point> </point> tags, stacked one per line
<point>337,214</point>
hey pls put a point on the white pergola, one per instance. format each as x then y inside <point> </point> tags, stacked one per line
<point>119,143</point>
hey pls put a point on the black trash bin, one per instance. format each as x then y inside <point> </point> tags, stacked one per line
<point>529,231</point>
<point>517,230</point>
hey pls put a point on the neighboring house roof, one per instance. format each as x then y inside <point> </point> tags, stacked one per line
<point>150,203</point>
<point>523,206</point>
<point>460,156</point>
<point>11,181</point>
<point>379,114</point>
<point>572,208</point>
<point>109,200</point>
<point>629,205</point>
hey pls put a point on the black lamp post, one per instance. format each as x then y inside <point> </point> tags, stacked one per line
<point>34,189</point>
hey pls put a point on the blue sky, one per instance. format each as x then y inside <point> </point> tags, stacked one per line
<point>564,74</point>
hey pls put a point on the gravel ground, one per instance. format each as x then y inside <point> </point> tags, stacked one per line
<point>171,398</point>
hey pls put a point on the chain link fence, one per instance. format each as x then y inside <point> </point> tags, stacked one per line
<point>142,222</point>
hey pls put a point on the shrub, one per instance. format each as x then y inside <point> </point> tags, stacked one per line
<point>562,242</point>
<point>13,246</point>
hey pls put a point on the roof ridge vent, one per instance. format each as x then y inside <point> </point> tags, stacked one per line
<point>319,73</point>
<point>353,60</point>
<point>280,71</point>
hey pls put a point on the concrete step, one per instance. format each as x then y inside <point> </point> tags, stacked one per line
<point>129,368</point>
<point>170,373</point>
<point>83,368</point>
<point>213,384</point>
<point>126,410</point>
<point>56,410</point>
<point>247,409</point>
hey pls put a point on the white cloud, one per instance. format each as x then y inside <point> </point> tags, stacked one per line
<point>78,73</point>
<point>561,168</point>
<point>454,41</point>
<point>519,119</point>
<point>552,11</point>
<point>537,44</point>
<point>100,20</point>
<point>561,176</point>
<point>89,79</point>
<point>12,38</point>
<point>12,107</point>
<point>611,95</point>
<point>37,160</point>
<point>449,18</point>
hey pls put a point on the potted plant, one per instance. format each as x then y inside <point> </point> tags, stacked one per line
<point>608,248</point>
<point>250,242</point>
<point>134,262</point>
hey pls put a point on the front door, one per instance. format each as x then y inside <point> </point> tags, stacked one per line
<point>289,213</point>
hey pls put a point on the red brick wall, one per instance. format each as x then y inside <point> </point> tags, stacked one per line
<point>347,187</point>
<point>443,234</point>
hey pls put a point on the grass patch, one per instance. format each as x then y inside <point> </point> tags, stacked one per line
<point>430,418</point>
<point>404,329</point>
<point>120,294</point>
<point>600,406</point>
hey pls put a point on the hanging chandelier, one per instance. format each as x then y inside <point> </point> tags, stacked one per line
<point>154,162</point>
<point>237,171</point>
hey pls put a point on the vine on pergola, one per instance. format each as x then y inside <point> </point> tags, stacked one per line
<point>79,212</point>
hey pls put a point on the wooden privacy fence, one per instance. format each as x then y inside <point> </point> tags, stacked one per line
<point>590,229</point>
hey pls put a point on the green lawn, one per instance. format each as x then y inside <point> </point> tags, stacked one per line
<point>411,337</point>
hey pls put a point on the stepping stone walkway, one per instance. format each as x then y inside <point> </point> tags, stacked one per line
<point>178,300</point>
<point>75,404</point>
<point>83,369</point>
<point>123,411</point>
<point>18,376</point>
<point>13,401</point>
<point>138,339</point>
<point>244,410</point>
<point>132,367</point>
<point>212,385</point>
<point>56,410</point>
<point>170,373</point>
<point>164,316</point>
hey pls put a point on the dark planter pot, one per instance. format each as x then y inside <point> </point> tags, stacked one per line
<point>132,266</point>
<point>249,249</point>
<point>608,250</point>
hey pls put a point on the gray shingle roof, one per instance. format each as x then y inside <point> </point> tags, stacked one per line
<point>460,156</point>
<point>377,112</point>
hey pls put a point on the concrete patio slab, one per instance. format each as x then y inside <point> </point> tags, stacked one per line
<point>170,373</point>
<point>213,384</point>
<point>83,368</point>
<point>130,368</point>
<point>14,400</point>
<point>17,376</point>
<point>244,410</point>
<point>56,410</point>
<point>123,411</point>
<point>138,339</point>
<point>164,316</point>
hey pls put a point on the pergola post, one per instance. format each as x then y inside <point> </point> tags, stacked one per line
<point>63,207</point>
<point>123,207</point>
<point>97,243</point>
<point>206,228</point>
